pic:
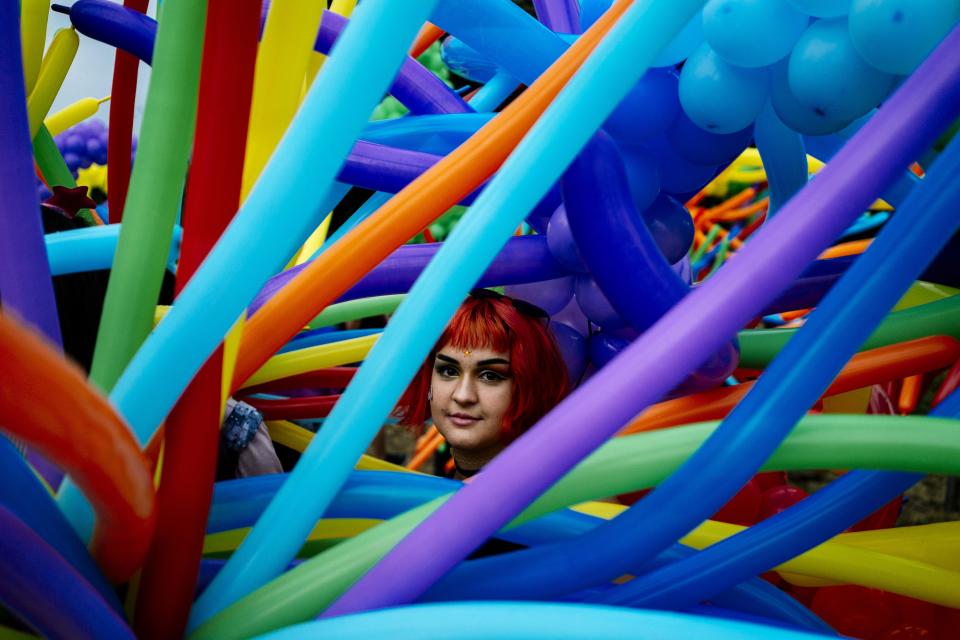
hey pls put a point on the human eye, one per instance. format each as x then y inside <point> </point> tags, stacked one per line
<point>446,370</point>
<point>492,376</point>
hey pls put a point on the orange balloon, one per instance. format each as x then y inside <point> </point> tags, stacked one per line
<point>47,402</point>
<point>891,362</point>
<point>404,215</point>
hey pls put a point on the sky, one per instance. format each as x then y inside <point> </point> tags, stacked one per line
<point>92,72</point>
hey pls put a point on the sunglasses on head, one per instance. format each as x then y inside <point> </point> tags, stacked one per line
<point>527,309</point>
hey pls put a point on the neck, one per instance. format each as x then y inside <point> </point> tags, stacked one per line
<point>470,462</point>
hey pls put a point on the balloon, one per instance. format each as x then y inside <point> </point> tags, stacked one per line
<point>80,432</point>
<point>573,348</point>
<point>752,33</point>
<point>777,499</point>
<point>671,226</point>
<point>550,295</point>
<point>464,61</point>
<point>827,74</point>
<point>648,109</point>
<point>643,174</point>
<point>744,507</point>
<point>896,35</point>
<point>895,139</point>
<point>561,243</point>
<point>595,305</point>
<point>43,590</point>
<point>698,146</point>
<point>677,176</point>
<point>822,8</point>
<point>718,96</point>
<point>799,116</point>
<point>784,158</point>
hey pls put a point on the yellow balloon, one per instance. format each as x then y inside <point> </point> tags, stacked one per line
<point>73,114</point>
<point>53,70</point>
<point>320,357</point>
<point>33,35</point>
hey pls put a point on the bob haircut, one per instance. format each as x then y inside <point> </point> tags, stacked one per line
<point>539,373</point>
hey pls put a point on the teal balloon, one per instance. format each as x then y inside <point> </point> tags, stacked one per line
<point>822,8</point>
<point>752,33</point>
<point>796,115</point>
<point>683,44</point>
<point>718,96</point>
<point>827,74</point>
<point>896,35</point>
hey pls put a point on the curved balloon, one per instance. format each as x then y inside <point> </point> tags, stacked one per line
<point>784,157</point>
<point>624,464</point>
<point>43,590</point>
<point>80,432</point>
<point>803,369</point>
<point>907,123</point>
<point>523,259</point>
<point>415,87</point>
<point>93,248</point>
<point>531,621</point>
<point>618,242</point>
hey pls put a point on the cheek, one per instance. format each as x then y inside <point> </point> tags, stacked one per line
<point>498,401</point>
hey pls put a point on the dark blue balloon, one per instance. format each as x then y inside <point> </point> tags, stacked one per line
<point>648,109</point>
<point>678,175</point>
<point>671,226</point>
<point>643,174</point>
<point>699,146</point>
<point>604,347</point>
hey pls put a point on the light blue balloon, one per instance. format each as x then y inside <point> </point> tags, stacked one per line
<point>752,33</point>
<point>800,117</point>
<point>295,181</point>
<point>680,48</point>
<point>683,44</point>
<point>718,96</point>
<point>92,248</point>
<point>822,8</point>
<point>527,175</point>
<point>531,621</point>
<point>896,35</point>
<point>784,157</point>
<point>827,74</point>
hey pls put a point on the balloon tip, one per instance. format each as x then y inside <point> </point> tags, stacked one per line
<point>59,8</point>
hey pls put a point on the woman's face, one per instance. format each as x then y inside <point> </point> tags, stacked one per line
<point>472,390</point>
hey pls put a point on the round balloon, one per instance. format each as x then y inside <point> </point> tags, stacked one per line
<point>828,75</point>
<point>896,35</point>
<point>821,8</point>
<point>718,96</point>
<point>671,226</point>
<point>752,33</point>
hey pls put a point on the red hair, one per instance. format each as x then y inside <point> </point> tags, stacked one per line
<point>539,373</point>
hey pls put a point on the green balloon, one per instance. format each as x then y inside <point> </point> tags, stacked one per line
<point>915,444</point>
<point>355,309</point>
<point>55,171</point>
<point>758,347</point>
<point>156,184</point>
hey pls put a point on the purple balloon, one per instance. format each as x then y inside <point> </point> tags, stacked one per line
<point>72,160</point>
<point>75,144</point>
<point>573,349</point>
<point>550,295</point>
<point>595,305</point>
<point>572,316</point>
<point>560,241</point>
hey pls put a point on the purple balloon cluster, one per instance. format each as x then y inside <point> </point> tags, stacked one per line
<point>82,146</point>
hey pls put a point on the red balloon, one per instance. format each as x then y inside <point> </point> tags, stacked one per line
<point>770,479</point>
<point>743,507</point>
<point>778,499</point>
<point>854,611</point>
<point>883,518</point>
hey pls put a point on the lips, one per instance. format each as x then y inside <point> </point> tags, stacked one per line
<point>462,419</point>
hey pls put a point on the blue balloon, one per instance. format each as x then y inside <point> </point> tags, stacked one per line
<point>752,33</point>
<point>699,146</point>
<point>643,174</point>
<point>671,226</point>
<point>718,96</point>
<point>828,75</point>
<point>805,119</point>
<point>561,244</point>
<point>550,295</point>
<point>896,35</point>
<point>647,110</point>
<point>465,61</point>
<point>595,305</point>
<point>573,349</point>
<point>677,175</point>
<point>604,347</point>
<point>683,44</point>
<point>822,8</point>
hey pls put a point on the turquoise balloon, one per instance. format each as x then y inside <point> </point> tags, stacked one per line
<point>796,115</point>
<point>896,35</point>
<point>827,74</point>
<point>718,96</point>
<point>680,48</point>
<point>822,8</point>
<point>752,33</point>
<point>683,44</point>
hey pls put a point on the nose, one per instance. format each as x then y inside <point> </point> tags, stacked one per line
<point>465,393</point>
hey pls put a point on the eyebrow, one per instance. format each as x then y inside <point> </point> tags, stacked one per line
<point>481,363</point>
